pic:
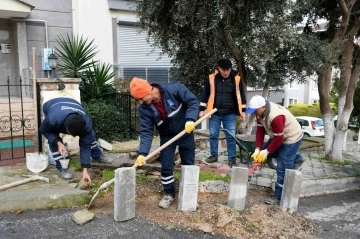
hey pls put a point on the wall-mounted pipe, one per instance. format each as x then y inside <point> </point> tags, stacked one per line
<point>36,21</point>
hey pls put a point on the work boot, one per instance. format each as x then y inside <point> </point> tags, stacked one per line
<point>298,162</point>
<point>103,159</point>
<point>272,200</point>
<point>166,201</point>
<point>232,162</point>
<point>211,159</point>
<point>65,174</point>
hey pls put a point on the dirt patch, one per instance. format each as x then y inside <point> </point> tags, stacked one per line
<point>213,216</point>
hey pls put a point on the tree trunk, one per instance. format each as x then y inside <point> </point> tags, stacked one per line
<point>343,112</point>
<point>324,82</point>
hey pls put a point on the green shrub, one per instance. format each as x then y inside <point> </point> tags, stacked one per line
<point>110,124</point>
<point>308,110</point>
<point>305,110</point>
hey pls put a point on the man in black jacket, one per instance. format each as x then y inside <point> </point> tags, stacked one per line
<point>67,116</point>
<point>225,92</point>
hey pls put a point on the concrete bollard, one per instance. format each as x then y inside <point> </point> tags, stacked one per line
<point>238,188</point>
<point>124,194</point>
<point>189,187</point>
<point>291,190</point>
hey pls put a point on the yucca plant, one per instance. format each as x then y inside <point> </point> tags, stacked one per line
<point>97,82</point>
<point>76,55</point>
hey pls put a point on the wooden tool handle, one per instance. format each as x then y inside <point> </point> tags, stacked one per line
<point>176,137</point>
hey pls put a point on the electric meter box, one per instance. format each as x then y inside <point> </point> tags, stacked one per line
<point>5,48</point>
<point>45,61</point>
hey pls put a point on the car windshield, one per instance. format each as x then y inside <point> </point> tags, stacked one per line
<point>319,123</point>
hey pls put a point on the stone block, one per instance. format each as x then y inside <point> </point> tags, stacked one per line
<point>189,186</point>
<point>238,188</point>
<point>264,182</point>
<point>312,187</point>
<point>292,190</point>
<point>124,194</point>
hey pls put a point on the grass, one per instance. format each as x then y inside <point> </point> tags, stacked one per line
<point>110,174</point>
<point>107,174</point>
<point>141,177</point>
<point>338,162</point>
<point>75,164</point>
<point>206,176</point>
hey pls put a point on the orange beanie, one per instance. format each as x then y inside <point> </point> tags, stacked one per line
<point>139,88</point>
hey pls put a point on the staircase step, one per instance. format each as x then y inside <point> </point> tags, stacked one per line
<point>38,194</point>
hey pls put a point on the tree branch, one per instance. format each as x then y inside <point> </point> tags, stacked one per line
<point>345,14</point>
<point>237,56</point>
<point>343,7</point>
<point>355,28</point>
<point>351,4</point>
<point>352,86</point>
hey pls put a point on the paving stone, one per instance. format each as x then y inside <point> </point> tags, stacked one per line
<point>188,189</point>
<point>291,191</point>
<point>264,182</point>
<point>238,188</point>
<point>83,216</point>
<point>124,194</point>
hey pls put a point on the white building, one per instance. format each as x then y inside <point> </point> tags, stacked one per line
<point>292,93</point>
<point>114,26</point>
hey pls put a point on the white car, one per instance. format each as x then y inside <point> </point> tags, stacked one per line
<point>311,126</point>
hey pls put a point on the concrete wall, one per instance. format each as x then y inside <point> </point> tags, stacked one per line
<point>58,15</point>
<point>7,66</point>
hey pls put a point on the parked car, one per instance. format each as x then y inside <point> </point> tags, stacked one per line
<point>311,126</point>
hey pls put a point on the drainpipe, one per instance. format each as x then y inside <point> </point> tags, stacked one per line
<point>37,21</point>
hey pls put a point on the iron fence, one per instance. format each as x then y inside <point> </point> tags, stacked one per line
<point>127,105</point>
<point>17,120</point>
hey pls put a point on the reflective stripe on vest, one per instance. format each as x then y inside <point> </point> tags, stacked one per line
<point>211,100</point>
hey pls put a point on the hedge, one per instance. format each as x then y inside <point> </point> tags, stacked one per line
<point>110,124</point>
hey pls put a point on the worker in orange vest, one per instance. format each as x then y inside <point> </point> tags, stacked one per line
<point>224,91</point>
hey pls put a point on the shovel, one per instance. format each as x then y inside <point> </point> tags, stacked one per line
<point>179,135</point>
<point>20,182</point>
<point>36,162</point>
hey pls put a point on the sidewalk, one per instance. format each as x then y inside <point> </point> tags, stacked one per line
<point>319,177</point>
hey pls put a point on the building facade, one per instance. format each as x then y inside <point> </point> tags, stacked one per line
<point>113,24</point>
<point>28,24</point>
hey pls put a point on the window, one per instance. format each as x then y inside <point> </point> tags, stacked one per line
<point>315,84</point>
<point>292,101</point>
<point>293,85</point>
<point>314,101</point>
<point>158,75</point>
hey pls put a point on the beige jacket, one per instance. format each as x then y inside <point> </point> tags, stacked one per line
<point>292,130</point>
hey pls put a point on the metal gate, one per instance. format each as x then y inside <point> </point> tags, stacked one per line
<point>17,122</point>
<point>128,107</point>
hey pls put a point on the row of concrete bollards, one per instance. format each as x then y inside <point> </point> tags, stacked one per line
<point>125,185</point>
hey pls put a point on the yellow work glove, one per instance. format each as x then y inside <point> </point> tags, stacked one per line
<point>262,156</point>
<point>255,154</point>
<point>189,126</point>
<point>140,160</point>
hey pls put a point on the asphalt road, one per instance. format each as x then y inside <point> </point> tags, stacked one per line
<point>337,215</point>
<point>58,224</point>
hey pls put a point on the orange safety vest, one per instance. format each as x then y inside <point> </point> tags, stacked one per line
<point>210,103</point>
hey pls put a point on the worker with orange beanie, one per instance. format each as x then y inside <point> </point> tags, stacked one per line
<point>171,108</point>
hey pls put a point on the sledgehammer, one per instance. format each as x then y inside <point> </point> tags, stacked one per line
<point>20,182</point>
<point>179,135</point>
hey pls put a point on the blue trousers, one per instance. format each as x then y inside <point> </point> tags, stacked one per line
<point>286,155</point>
<point>55,154</point>
<point>229,123</point>
<point>186,146</point>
